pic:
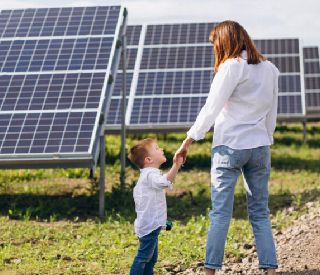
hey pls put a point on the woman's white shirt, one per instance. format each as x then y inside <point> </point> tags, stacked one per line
<point>242,105</point>
<point>150,201</point>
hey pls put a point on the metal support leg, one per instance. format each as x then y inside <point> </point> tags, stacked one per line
<point>102,174</point>
<point>91,174</point>
<point>304,132</point>
<point>123,113</point>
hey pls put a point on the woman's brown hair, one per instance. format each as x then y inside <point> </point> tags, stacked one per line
<point>230,39</point>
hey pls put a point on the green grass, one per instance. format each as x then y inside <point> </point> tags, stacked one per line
<point>49,224</point>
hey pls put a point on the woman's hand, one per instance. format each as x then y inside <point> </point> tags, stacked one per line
<point>181,153</point>
<point>183,150</point>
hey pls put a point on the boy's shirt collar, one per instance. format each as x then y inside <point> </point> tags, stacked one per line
<point>150,168</point>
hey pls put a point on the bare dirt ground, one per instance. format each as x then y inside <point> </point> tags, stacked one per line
<point>298,249</point>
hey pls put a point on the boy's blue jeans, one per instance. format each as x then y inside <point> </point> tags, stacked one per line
<point>147,255</point>
<point>226,166</point>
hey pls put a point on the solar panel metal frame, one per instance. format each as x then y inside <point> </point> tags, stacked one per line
<point>178,127</point>
<point>89,158</point>
<point>142,128</point>
<point>297,117</point>
<point>312,112</point>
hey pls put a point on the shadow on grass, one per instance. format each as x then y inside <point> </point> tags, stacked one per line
<point>284,162</point>
<point>119,204</point>
<point>288,141</point>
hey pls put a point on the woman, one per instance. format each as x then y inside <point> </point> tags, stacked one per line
<point>242,105</point>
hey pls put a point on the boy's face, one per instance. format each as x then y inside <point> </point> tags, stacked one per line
<point>156,155</point>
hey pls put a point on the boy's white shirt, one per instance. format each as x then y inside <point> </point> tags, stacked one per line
<point>150,201</point>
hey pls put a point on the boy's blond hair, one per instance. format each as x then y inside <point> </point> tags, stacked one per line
<point>139,152</point>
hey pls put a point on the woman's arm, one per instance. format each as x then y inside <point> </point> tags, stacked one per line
<point>222,87</point>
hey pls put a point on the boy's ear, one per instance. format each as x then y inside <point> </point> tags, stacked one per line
<point>148,160</point>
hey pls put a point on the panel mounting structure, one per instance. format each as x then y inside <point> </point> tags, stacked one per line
<point>56,72</point>
<point>312,81</point>
<point>170,70</point>
<point>287,55</point>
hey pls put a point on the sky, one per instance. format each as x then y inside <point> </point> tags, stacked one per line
<point>262,19</point>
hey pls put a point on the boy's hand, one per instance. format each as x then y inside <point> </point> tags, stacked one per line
<point>180,162</point>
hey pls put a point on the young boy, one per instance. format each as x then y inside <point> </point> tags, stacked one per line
<point>150,202</point>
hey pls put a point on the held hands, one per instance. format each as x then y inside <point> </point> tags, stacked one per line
<point>179,162</point>
<point>179,159</point>
<point>180,155</point>
<point>183,151</point>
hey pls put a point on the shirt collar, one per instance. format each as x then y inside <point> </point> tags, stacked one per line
<point>148,169</point>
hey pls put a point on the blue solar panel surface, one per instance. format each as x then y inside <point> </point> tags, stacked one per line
<point>39,92</point>
<point>312,78</point>
<point>133,34</point>
<point>55,54</point>
<point>59,21</point>
<point>54,69</point>
<point>174,70</point>
<point>47,132</point>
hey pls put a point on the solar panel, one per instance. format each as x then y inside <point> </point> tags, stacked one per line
<point>77,21</point>
<point>41,133</point>
<point>55,54</point>
<point>312,79</point>
<point>286,54</point>
<point>173,71</point>
<point>55,83</point>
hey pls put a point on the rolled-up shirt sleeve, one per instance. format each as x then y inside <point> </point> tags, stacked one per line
<point>159,181</point>
<point>222,87</point>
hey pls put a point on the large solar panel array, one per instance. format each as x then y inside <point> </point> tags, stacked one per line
<point>312,79</point>
<point>170,70</point>
<point>286,54</point>
<point>54,83</point>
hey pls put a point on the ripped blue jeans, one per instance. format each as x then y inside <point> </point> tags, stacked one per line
<point>226,166</point>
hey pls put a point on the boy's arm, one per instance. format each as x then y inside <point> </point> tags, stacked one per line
<point>171,175</point>
<point>158,181</point>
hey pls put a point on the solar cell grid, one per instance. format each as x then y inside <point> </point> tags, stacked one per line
<point>289,83</point>
<point>53,68</point>
<point>55,54</point>
<point>177,57</point>
<point>59,22</point>
<point>133,35</point>
<point>39,133</point>
<point>114,112</point>
<point>312,82</point>
<point>313,100</point>
<point>310,53</point>
<point>176,70</point>
<point>194,33</point>
<point>174,83</point>
<point>289,64</point>
<point>312,67</point>
<point>290,105</point>
<point>131,59</point>
<point>312,78</point>
<point>166,110</point>
<point>51,91</point>
<point>278,46</point>
<point>118,84</point>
